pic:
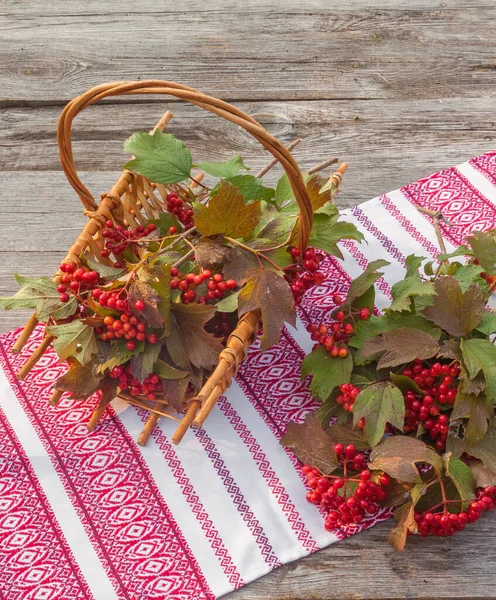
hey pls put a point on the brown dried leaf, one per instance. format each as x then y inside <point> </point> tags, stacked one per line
<point>140,290</point>
<point>81,381</point>
<point>405,515</point>
<point>456,312</point>
<point>314,184</point>
<point>483,476</point>
<point>400,346</point>
<point>398,455</point>
<point>227,213</point>
<point>269,292</point>
<point>346,434</point>
<point>212,251</point>
<point>450,349</point>
<point>175,391</point>
<point>311,444</point>
<point>239,265</point>
<point>202,348</point>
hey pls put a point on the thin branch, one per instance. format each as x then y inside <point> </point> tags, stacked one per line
<point>436,216</point>
<point>274,161</point>
<point>323,165</point>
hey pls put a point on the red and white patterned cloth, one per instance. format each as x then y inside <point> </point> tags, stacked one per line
<point>95,516</point>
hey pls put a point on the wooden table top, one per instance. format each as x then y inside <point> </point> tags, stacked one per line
<point>397,88</point>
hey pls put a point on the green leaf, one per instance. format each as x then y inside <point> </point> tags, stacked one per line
<point>460,251</point>
<point>467,275</point>
<point>362,283</point>
<point>378,404</point>
<point>226,213</point>
<point>480,355</point>
<point>413,264</point>
<point>398,456</point>
<point>201,348</point>
<point>485,449</point>
<point>115,354</point>
<point>250,188</point>
<point>377,325</point>
<point>488,323</point>
<point>405,384</point>
<point>484,246</point>
<point>160,157</point>
<point>326,233</point>
<point>330,408</point>
<point>74,339</point>
<point>400,346</point>
<point>142,364</point>
<point>456,312</point>
<point>428,269</point>
<point>229,303</point>
<point>284,191</point>
<point>162,369</point>
<point>165,221</point>
<point>270,293</point>
<point>40,294</point>
<point>104,271</point>
<point>80,380</point>
<point>311,444</point>
<point>463,478</point>
<point>279,229</point>
<point>229,168</point>
<point>404,290</point>
<point>327,372</point>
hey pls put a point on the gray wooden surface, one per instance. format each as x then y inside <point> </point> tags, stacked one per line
<point>397,88</point>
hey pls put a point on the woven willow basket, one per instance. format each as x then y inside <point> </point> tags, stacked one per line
<point>133,200</point>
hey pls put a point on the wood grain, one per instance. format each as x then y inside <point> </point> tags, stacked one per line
<point>397,88</point>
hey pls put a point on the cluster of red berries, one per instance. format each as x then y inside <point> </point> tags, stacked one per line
<point>331,492</point>
<point>221,325</point>
<point>118,238</point>
<point>347,399</point>
<point>307,275</point>
<point>176,207</point>
<point>446,524</point>
<point>127,327</point>
<point>127,381</point>
<point>75,280</point>
<point>335,336</point>
<point>439,382</point>
<point>187,284</point>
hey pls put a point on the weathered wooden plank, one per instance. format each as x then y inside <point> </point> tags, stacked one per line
<point>364,567</point>
<point>295,51</point>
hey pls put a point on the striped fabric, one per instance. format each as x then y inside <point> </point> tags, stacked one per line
<point>93,515</point>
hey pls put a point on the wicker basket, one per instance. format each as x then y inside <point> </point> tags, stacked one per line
<point>133,200</point>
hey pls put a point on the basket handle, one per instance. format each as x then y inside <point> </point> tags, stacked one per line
<point>187,94</point>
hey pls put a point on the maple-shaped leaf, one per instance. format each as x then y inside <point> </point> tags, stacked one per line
<point>468,275</point>
<point>142,364</point>
<point>327,232</point>
<point>201,348</point>
<point>398,456</point>
<point>374,326</point>
<point>239,266</point>
<point>319,195</point>
<point>284,191</point>
<point>164,222</point>
<point>330,408</point>
<point>139,290</point>
<point>278,230</point>
<point>175,392</point>
<point>227,214</point>
<point>159,278</point>
<point>413,264</point>
<point>460,251</point>
<point>462,477</point>
<point>405,517</point>
<point>484,248</point>
<point>115,354</point>
<point>485,449</point>
<point>403,291</point>
<point>249,186</point>
<point>74,339</point>
<point>450,349</point>
<point>80,380</point>
<point>378,404</point>
<point>175,348</point>
<point>327,372</point>
<point>105,271</point>
<point>346,434</point>
<point>40,294</point>
<point>229,168</point>
<point>270,293</point>
<point>362,283</point>
<point>457,312</point>
<point>480,355</point>
<point>160,157</point>
<point>483,476</point>
<point>487,326</point>
<point>212,251</point>
<point>311,444</point>
<point>400,346</point>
